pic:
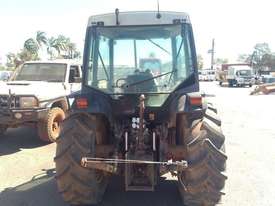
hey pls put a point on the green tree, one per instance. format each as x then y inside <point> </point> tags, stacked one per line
<point>24,55</point>
<point>221,60</point>
<point>244,58</point>
<point>31,46</point>
<point>71,50</point>
<point>15,60</point>
<point>52,45</point>
<point>258,56</point>
<point>68,49</point>
<point>56,45</point>
<point>268,60</point>
<point>10,60</point>
<point>41,39</point>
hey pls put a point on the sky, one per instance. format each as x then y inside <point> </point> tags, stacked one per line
<point>236,25</point>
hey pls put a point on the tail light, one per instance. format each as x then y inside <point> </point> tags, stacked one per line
<point>196,101</point>
<point>82,103</point>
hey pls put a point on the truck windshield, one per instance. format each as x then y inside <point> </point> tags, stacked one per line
<point>245,72</point>
<point>138,59</point>
<point>52,72</point>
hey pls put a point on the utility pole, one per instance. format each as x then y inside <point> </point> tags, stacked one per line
<point>212,51</point>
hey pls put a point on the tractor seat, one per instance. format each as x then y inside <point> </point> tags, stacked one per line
<point>147,86</point>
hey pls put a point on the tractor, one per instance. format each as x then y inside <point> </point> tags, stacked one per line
<point>129,121</point>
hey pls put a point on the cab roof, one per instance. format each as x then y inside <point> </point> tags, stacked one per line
<point>138,18</point>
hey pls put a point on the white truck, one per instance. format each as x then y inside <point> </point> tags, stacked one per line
<point>240,76</point>
<point>207,75</point>
<point>36,95</point>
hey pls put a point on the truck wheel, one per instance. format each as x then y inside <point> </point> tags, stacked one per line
<point>3,129</point>
<point>231,83</point>
<point>202,182</point>
<point>49,129</point>
<point>78,185</point>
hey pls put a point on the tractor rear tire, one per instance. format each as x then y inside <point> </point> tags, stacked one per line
<point>201,184</point>
<point>49,128</point>
<point>78,185</point>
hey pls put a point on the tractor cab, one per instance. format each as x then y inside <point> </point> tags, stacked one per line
<point>126,55</point>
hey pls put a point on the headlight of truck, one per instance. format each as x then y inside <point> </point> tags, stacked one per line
<point>28,102</point>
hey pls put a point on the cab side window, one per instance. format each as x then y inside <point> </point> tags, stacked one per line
<point>74,73</point>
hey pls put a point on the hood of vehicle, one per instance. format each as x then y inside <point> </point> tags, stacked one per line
<point>42,90</point>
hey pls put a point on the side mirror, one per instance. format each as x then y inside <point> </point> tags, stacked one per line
<point>6,78</point>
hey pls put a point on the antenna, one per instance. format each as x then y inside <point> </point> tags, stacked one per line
<point>158,14</point>
<point>117,13</point>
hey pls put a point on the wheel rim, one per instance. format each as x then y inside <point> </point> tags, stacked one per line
<point>55,127</point>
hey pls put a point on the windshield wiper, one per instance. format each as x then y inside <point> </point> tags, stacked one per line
<point>178,52</point>
<point>159,46</point>
<point>53,80</point>
<point>145,80</point>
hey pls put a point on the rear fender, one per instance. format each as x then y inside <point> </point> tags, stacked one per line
<point>96,104</point>
<point>182,106</point>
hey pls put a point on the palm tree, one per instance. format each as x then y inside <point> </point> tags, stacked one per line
<point>15,60</point>
<point>31,46</point>
<point>41,38</point>
<point>55,45</point>
<point>63,42</point>
<point>10,59</point>
<point>25,55</point>
<point>71,49</point>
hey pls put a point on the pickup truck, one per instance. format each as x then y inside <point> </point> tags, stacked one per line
<point>36,95</point>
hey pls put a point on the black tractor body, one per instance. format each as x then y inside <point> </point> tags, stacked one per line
<point>129,120</point>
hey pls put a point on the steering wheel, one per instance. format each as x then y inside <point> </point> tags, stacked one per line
<point>120,80</point>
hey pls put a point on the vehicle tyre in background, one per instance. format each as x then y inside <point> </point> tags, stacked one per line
<point>49,128</point>
<point>230,83</point>
<point>202,182</point>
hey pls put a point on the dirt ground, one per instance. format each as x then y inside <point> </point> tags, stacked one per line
<point>27,168</point>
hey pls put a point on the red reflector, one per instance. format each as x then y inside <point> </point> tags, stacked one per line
<point>82,103</point>
<point>196,101</point>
